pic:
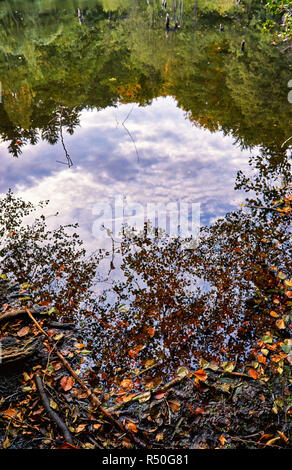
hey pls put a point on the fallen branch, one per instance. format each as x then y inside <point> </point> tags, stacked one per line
<point>11,314</point>
<point>11,351</point>
<point>55,417</point>
<point>90,394</point>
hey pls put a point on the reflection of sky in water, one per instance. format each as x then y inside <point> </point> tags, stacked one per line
<point>176,162</point>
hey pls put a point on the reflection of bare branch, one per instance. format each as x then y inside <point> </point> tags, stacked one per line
<point>128,115</point>
<point>128,132</point>
<point>69,162</point>
<point>130,135</point>
<point>287,140</point>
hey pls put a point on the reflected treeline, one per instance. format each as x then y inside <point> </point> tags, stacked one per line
<point>120,54</point>
<point>171,306</point>
<point>174,306</point>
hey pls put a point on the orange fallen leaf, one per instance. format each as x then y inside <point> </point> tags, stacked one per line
<point>200,374</point>
<point>67,383</point>
<point>222,439</point>
<point>151,332</point>
<point>253,373</point>
<point>274,314</point>
<point>127,384</point>
<point>10,413</point>
<point>23,331</point>
<point>281,324</point>
<point>132,427</point>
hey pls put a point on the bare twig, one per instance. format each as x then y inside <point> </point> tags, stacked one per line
<point>55,417</point>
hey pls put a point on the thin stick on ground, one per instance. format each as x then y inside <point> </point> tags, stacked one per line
<point>55,417</point>
<point>90,394</point>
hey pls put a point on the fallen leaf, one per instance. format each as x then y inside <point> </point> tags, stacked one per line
<point>253,373</point>
<point>222,440</point>
<point>127,384</point>
<point>182,372</point>
<point>151,332</point>
<point>23,331</point>
<point>67,383</point>
<point>132,427</point>
<point>200,374</point>
<point>174,405</point>
<point>281,324</point>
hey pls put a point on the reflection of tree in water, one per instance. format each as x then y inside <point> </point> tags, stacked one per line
<point>175,306</point>
<point>172,306</point>
<point>48,61</point>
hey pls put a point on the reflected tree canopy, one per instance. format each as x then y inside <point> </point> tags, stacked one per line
<point>172,306</point>
<point>120,54</point>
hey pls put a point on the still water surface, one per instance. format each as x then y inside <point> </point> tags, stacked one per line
<point>114,106</point>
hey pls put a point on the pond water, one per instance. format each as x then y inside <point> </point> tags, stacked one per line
<point>116,106</point>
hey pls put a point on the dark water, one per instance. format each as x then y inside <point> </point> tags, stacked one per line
<point>115,106</point>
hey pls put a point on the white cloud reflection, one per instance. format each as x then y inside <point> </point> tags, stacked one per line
<point>176,162</point>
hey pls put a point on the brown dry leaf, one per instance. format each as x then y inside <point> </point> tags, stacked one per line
<point>10,413</point>
<point>200,374</point>
<point>127,398</point>
<point>274,314</point>
<point>23,331</point>
<point>80,394</point>
<point>199,411</point>
<point>159,437</point>
<point>127,444</point>
<point>151,332</point>
<point>149,385</point>
<point>79,345</point>
<point>57,365</point>
<point>6,443</point>
<point>127,384</point>
<point>174,405</point>
<point>222,440</point>
<point>132,427</point>
<point>265,436</point>
<point>67,383</point>
<point>262,359</point>
<point>281,324</point>
<point>80,428</point>
<point>253,373</point>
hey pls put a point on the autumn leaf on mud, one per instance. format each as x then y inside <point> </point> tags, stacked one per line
<point>127,384</point>
<point>132,427</point>
<point>253,373</point>
<point>24,331</point>
<point>151,332</point>
<point>174,405</point>
<point>222,440</point>
<point>281,324</point>
<point>67,383</point>
<point>274,314</point>
<point>201,375</point>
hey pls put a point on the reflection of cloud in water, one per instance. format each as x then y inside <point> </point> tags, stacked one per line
<point>177,162</point>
